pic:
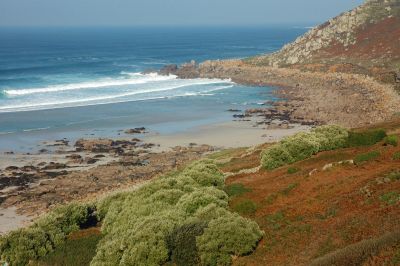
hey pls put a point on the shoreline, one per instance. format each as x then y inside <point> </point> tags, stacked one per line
<point>322,97</point>
<point>89,168</point>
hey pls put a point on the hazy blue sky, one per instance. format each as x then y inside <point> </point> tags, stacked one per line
<point>168,12</point>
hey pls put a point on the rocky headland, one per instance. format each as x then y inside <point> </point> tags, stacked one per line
<point>345,71</point>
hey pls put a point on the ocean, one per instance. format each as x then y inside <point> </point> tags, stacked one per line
<point>69,82</point>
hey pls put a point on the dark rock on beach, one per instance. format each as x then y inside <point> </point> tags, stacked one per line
<point>137,130</point>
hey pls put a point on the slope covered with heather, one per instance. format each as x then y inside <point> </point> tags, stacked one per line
<point>364,40</point>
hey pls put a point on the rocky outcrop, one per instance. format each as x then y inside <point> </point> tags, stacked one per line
<point>368,32</point>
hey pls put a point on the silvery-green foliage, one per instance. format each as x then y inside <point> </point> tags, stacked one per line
<point>227,236</point>
<point>303,145</point>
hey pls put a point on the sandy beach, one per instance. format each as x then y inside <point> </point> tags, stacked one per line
<point>233,134</point>
<point>86,168</point>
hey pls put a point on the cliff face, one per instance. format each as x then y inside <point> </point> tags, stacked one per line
<point>364,40</point>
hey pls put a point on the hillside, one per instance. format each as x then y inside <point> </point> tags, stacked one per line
<point>364,40</point>
<point>327,197</point>
<point>345,71</point>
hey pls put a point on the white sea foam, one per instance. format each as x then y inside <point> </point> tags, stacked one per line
<point>136,78</point>
<point>117,98</point>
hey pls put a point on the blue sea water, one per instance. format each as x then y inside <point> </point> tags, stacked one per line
<point>63,82</point>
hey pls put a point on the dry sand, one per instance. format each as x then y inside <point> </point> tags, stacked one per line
<point>10,220</point>
<point>224,135</point>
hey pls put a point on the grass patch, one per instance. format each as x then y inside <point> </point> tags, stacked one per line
<point>390,198</point>
<point>270,199</point>
<point>365,138</point>
<point>276,220</point>
<point>391,140</point>
<point>245,207</point>
<point>329,213</point>
<point>396,156</point>
<point>292,170</point>
<point>394,175</point>
<point>73,252</point>
<point>365,157</point>
<point>289,188</point>
<point>235,190</point>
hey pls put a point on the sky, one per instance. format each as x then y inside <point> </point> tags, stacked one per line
<point>168,12</point>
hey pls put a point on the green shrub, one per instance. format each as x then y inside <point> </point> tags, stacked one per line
<point>103,205</point>
<point>365,157</point>
<point>390,198</point>
<point>182,243</point>
<point>46,234</point>
<point>191,202</point>
<point>23,245</point>
<point>396,156</point>
<point>366,138</point>
<point>292,170</point>
<point>234,190</point>
<point>138,240</point>
<point>391,140</point>
<point>303,145</point>
<point>205,173</point>
<point>275,157</point>
<point>331,137</point>
<point>245,207</point>
<point>227,236</point>
<point>160,220</point>
<point>209,212</point>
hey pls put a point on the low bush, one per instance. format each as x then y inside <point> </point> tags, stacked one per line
<point>191,202</point>
<point>365,138</point>
<point>104,204</point>
<point>365,157</point>
<point>227,236</point>
<point>182,243</point>
<point>391,140</point>
<point>45,235</point>
<point>331,137</point>
<point>206,173</point>
<point>234,190</point>
<point>390,198</point>
<point>275,157</point>
<point>303,145</point>
<point>161,221</point>
<point>245,207</point>
<point>171,218</point>
<point>396,156</point>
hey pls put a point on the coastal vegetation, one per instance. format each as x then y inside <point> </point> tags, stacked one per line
<point>303,145</point>
<point>189,206</point>
<point>193,216</point>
